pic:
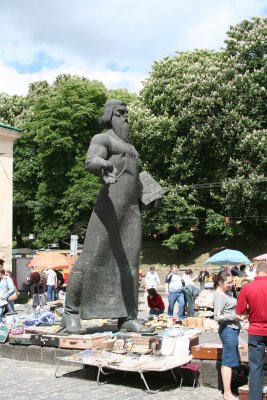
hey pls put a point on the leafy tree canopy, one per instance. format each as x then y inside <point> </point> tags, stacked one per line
<point>199,125</point>
<point>52,187</point>
<point>200,122</point>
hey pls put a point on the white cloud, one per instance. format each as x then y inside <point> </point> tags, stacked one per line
<point>90,35</point>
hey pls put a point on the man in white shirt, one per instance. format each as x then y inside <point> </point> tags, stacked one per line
<point>174,291</point>
<point>152,279</point>
<point>51,284</point>
<point>251,271</point>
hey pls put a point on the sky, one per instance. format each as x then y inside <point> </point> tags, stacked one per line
<point>115,42</point>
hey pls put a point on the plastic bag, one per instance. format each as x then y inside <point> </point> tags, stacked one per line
<point>167,345</point>
<point>181,346</point>
<point>36,318</point>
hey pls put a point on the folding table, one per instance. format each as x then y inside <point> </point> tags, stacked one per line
<point>107,365</point>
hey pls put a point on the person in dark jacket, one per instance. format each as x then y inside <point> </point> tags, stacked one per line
<point>33,281</point>
<point>235,271</point>
<point>242,273</point>
<point>203,274</point>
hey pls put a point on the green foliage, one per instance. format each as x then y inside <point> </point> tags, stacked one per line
<point>184,239</point>
<point>55,192</point>
<point>10,108</point>
<point>199,125</point>
<point>122,94</point>
<point>215,224</point>
<point>200,119</point>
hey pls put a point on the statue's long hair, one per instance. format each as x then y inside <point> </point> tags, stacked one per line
<point>105,120</point>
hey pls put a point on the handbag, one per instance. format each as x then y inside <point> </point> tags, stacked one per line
<point>14,296</point>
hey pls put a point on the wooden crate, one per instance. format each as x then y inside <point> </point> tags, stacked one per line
<point>27,339</point>
<point>193,341</point>
<point>83,342</point>
<point>207,351</point>
<point>193,322</point>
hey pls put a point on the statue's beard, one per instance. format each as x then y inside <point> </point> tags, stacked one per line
<point>120,128</point>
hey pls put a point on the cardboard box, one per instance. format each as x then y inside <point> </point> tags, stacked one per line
<point>207,351</point>
<point>243,393</point>
<point>193,322</point>
<point>243,354</point>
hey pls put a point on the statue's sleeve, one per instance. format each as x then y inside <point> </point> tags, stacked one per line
<point>149,190</point>
<point>98,154</point>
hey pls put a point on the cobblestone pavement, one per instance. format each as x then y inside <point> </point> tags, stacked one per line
<point>26,380</point>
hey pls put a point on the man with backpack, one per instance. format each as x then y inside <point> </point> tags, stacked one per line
<point>33,281</point>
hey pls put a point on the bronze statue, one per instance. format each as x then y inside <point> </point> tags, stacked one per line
<point>104,280</point>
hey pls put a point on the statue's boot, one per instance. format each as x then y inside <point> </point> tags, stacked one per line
<point>71,317</point>
<point>132,325</point>
<point>72,324</point>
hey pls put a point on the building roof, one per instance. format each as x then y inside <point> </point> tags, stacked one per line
<point>9,127</point>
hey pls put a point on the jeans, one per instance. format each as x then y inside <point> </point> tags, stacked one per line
<point>50,293</point>
<point>229,338</point>
<point>2,309</point>
<point>34,288</point>
<point>172,298</point>
<point>256,352</point>
<point>10,306</point>
<point>152,311</point>
<point>191,292</point>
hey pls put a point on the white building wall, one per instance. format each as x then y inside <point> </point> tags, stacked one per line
<point>7,138</point>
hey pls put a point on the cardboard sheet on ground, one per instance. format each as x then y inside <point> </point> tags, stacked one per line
<point>4,329</point>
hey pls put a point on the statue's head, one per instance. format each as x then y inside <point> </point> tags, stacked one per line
<point>110,107</point>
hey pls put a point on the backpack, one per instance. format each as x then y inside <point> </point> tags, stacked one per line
<point>43,278</point>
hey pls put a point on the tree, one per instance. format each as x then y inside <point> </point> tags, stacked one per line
<point>199,125</point>
<point>122,94</point>
<point>201,119</point>
<point>10,108</point>
<point>246,53</point>
<point>50,177</point>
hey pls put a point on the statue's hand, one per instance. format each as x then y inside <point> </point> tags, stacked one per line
<point>109,174</point>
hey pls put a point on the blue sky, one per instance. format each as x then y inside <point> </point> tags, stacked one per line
<point>113,41</point>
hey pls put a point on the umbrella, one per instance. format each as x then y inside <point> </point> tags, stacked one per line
<point>49,260</point>
<point>262,257</point>
<point>70,259</point>
<point>228,256</point>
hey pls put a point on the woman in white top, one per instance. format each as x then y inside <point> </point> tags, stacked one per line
<point>7,288</point>
<point>152,279</point>
<point>188,277</point>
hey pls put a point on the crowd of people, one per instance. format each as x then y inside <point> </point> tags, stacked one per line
<point>178,289</point>
<point>229,311</point>
<point>47,281</point>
